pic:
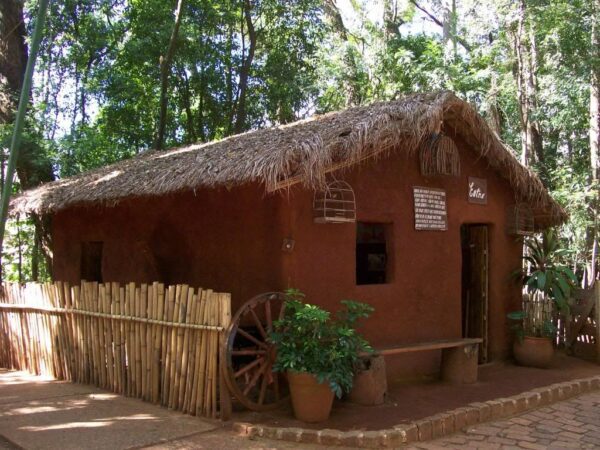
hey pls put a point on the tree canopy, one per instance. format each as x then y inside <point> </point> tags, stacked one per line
<point>118,77</point>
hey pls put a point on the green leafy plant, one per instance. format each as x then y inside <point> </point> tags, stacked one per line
<point>544,275</point>
<point>544,272</point>
<point>309,340</point>
<point>522,326</point>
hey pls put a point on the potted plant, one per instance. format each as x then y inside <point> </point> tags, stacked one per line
<point>546,281</point>
<point>318,353</point>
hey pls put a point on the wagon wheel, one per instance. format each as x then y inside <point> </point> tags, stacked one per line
<point>249,355</point>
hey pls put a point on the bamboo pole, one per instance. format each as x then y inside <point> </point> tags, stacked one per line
<point>143,308</point>
<point>123,333</point>
<point>193,409</point>
<point>152,342</point>
<point>160,303</point>
<point>116,332</point>
<point>166,343</point>
<point>129,341</point>
<point>200,395</point>
<point>225,406</point>
<point>180,334</point>
<point>189,377</point>
<point>210,404</point>
<point>185,349</point>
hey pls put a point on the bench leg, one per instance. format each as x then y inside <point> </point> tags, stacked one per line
<point>459,364</point>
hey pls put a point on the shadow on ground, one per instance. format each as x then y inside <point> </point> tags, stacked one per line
<point>40,413</point>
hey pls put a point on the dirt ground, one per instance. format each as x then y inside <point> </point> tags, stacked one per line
<point>415,400</point>
<point>37,412</point>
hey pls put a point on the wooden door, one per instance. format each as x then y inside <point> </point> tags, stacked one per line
<point>475,285</point>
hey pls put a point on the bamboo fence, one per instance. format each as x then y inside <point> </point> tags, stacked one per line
<point>157,343</point>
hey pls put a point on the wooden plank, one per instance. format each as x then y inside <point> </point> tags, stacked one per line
<point>424,346</point>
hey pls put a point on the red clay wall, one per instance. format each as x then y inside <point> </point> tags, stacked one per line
<point>422,302</point>
<point>231,241</point>
<point>219,239</point>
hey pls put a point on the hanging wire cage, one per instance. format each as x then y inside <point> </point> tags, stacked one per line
<point>439,156</point>
<point>520,220</point>
<point>334,204</point>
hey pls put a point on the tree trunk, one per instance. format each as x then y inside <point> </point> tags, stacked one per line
<point>594,208</point>
<point>534,134</point>
<point>241,111</point>
<point>13,57</point>
<point>521,76</point>
<point>165,67</point>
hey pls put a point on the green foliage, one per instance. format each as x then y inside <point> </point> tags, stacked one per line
<point>309,340</point>
<point>522,327</point>
<point>544,271</point>
<point>97,81</point>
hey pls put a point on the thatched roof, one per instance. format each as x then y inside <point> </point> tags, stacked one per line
<point>301,152</point>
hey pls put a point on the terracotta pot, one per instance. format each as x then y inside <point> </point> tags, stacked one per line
<point>311,400</point>
<point>534,352</point>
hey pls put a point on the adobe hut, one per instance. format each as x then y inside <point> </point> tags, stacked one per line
<point>414,206</point>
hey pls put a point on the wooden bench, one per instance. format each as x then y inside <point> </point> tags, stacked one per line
<point>459,357</point>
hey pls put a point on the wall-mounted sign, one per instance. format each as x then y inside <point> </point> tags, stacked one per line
<point>478,190</point>
<point>430,209</point>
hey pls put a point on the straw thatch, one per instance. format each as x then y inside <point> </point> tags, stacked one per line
<point>301,152</point>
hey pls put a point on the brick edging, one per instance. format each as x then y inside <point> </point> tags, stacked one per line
<point>431,427</point>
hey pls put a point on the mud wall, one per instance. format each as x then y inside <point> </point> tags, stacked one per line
<point>230,240</point>
<point>422,299</point>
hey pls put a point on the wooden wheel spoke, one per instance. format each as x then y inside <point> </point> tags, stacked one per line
<point>268,315</point>
<point>259,325</point>
<point>252,338</point>
<point>263,385</point>
<point>248,352</point>
<point>250,366</point>
<point>255,378</point>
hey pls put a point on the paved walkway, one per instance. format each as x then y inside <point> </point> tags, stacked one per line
<point>573,423</point>
<point>38,413</point>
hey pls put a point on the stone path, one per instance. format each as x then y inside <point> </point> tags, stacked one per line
<point>573,423</point>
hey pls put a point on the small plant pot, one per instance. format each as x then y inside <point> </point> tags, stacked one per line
<point>534,352</point>
<point>311,400</point>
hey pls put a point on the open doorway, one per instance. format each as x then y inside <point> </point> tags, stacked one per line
<point>474,243</point>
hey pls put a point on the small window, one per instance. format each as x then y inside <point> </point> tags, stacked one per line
<point>91,261</point>
<point>372,262</point>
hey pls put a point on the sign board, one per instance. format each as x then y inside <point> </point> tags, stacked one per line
<point>478,190</point>
<point>430,209</point>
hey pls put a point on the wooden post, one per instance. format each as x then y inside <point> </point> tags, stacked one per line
<point>224,394</point>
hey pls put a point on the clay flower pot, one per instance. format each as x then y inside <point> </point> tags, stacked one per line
<point>534,352</point>
<point>311,400</point>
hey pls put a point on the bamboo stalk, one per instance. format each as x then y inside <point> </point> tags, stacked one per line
<point>224,394</point>
<point>160,303</point>
<point>198,357</point>
<point>191,363</point>
<point>129,341</point>
<point>200,396</point>
<point>209,409</point>
<point>185,349</point>
<point>143,309</point>
<point>183,304</point>
<point>116,331</point>
<point>166,344</point>
<point>123,332</point>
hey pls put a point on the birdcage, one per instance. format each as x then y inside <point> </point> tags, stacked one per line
<point>519,220</point>
<point>335,204</point>
<point>439,156</point>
